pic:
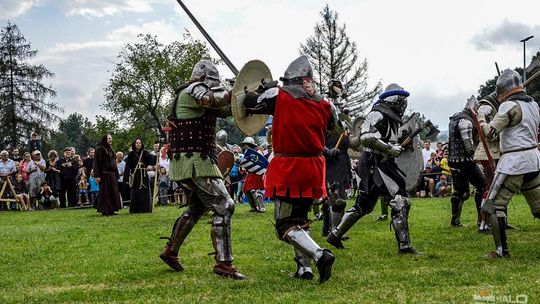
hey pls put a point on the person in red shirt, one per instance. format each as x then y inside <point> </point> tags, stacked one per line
<point>296,174</point>
<point>253,181</point>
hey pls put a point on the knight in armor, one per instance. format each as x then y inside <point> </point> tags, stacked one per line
<point>462,136</point>
<point>221,141</point>
<point>193,167</point>
<point>295,176</point>
<point>253,182</point>
<point>516,125</point>
<point>338,165</point>
<point>378,171</point>
<point>487,108</point>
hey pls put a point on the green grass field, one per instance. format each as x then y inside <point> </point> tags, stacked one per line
<point>77,256</point>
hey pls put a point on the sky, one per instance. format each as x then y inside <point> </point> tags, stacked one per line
<point>440,51</point>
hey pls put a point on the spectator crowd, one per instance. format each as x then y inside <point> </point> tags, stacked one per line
<point>52,181</point>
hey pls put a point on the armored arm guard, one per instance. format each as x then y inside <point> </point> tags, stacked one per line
<point>206,97</point>
<point>264,103</point>
<point>509,114</point>
<point>484,115</point>
<point>466,130</point>
<point>371,137</point>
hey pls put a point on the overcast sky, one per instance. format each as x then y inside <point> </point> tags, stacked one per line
<point>440,51</point>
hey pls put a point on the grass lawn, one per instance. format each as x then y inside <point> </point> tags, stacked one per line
<point>77,256</point>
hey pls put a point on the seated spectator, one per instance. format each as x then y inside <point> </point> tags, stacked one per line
<point>434,163</point>
<point>426,187</point>
<point>22,192</point>
<point>445,168</point>
<point>442,188</point>
<point>440,150</point>
<point>46,198</point>
<point>8,168</point>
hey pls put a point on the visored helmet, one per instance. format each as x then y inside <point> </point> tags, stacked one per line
<point>507,84</point>
<point>206,72</point>
<point>396,97</point>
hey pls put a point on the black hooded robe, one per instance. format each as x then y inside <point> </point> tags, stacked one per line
<point>140,194</point>
<point>105,169</point>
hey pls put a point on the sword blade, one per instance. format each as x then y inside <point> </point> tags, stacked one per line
<point>209,39</point>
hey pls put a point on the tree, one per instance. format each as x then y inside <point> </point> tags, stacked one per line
<point>23,94</point>
<point>146,76</point>
<point>334,56</point>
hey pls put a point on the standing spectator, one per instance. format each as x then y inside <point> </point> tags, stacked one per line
<point>7,170</point>
<point>36,171</point>
<point>122,186</point>
<point>82,197</point>
<point>22,192</point>
<point>106,175</point>
<point>53,173</point>
<point>163,185</point>
<point>93,190</point>
<point>137,164</point>
<point>35,143</point>
<point>88,163</point>
<point>163,159</point>
<point>68,173</point>
<point>15,156</point>
<point>426,151</point>
<point>445,168</point>
<point>23,167</point>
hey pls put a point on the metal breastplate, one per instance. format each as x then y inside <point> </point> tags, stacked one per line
<point>456,147</point>
<point>388,128</point>
<point>524,134</point>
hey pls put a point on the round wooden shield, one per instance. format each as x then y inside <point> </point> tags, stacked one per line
<point>225,162</point>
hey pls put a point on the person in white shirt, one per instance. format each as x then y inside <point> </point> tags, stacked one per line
<point>426,151</point>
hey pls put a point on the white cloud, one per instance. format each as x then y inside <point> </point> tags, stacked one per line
<point>101,8</point>
<point>506,34</point>
<point>11,9</point>
<point>83,69</point>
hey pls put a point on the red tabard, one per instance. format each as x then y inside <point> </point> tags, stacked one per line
<point>253,182</point>
<point>299,127</point>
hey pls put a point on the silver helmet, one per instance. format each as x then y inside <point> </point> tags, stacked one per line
<point>508,83</point>
<point>396,97</point>
<point>221,136</point>
<point>299,68</point>
<point>206,72</point>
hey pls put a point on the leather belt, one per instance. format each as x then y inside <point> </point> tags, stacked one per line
<point>519,150</point>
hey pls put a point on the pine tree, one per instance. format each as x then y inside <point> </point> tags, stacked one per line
<point>334,56</point>
<point>23,105</point>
